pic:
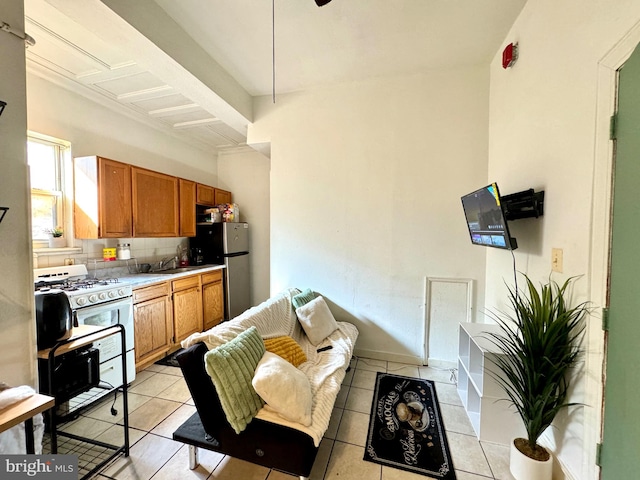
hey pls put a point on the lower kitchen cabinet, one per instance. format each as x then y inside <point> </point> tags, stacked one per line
<point>187,307</point>
<point>167,313</point>
<point>212,299</point>
<point>152,317</point>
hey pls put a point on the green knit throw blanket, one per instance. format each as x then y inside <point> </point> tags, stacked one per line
<point>231,367</point>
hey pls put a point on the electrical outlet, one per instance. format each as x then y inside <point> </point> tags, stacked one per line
<point>69,261</point>
<point>556,260</point>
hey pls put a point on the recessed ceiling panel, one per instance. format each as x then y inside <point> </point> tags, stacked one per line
<point>132,84</point>
<point>41,17</point>
<point>227,131</point>
<point>206,135</point>
<point>61,55</point>
<point>166,101</point>
<point>199,115</point>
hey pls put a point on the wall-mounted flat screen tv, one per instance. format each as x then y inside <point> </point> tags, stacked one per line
<point>486,220</point>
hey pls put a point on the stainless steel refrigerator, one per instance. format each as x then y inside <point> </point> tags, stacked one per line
<point>228,243</point>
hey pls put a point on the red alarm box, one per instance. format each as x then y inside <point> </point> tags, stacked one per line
<point>509,55</point>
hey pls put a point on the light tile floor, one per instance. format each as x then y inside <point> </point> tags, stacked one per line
<point>159,401</point>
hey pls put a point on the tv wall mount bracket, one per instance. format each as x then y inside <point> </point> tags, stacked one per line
<point>525,204</point>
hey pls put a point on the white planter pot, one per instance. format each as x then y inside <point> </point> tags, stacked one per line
<point>525,468</point>
<point>57,242</point>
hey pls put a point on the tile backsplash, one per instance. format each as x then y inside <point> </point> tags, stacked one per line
<point>143,250</point>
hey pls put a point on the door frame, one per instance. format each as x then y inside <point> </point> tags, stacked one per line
<point>606,102</point>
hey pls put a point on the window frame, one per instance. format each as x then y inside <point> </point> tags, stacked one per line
<point>63,182</point>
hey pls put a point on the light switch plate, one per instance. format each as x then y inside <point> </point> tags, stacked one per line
<point>556,260</point>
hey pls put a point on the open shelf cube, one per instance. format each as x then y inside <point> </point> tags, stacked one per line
<point>493,418</point>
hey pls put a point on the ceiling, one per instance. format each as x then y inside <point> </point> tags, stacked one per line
<point>344,41</point>
<point>86,47</point>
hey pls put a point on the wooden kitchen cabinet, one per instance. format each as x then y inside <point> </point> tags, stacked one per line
<point>222,196</point>
<point>205,195</point>
<point>212,299</point>
<point>187,307</point>
<point>102,198</point>
<point>152,317</point>
<point>187,191</point>
<point>155,201</point>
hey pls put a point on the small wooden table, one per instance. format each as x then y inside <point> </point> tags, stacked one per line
<point>24,411</point>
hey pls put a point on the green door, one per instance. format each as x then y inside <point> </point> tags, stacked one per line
<point>620,456</point>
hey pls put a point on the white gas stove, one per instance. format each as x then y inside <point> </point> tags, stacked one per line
<point>98,302</point>
<point>81,290</point>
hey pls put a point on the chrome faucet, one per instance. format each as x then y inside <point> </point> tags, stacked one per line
<point>162,263</point>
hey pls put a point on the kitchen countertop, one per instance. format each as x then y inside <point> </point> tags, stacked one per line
<point>138,280</point>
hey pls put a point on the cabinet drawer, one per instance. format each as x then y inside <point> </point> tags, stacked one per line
<point>147,293</point>
<point>211,277</point>
<point>185,282</point>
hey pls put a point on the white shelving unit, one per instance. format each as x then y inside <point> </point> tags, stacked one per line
<point>493,418</point>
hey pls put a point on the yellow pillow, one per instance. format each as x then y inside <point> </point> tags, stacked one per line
<point>287,348</point>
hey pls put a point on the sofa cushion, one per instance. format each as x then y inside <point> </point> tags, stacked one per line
<point>317,320</point>
<point>285,388</point>
<point>231,367</point>
<point>303,298</point>
<point>287,348</point>
<point>273,318</point>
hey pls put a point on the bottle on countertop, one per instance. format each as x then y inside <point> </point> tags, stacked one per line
<point>123,251</point>
<point>183,256</point>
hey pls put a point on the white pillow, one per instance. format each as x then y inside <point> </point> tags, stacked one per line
<point>316,320</point>
<point>284,388</point>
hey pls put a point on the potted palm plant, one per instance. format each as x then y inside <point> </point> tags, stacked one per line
<point>538,345</point>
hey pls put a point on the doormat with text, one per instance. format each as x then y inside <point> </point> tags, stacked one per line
<point>406,429</point>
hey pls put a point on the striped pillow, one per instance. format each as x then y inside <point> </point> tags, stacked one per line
<point>287,348</point>
<point>303,298</point>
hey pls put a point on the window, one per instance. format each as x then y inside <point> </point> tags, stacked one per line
<point>46,158</point>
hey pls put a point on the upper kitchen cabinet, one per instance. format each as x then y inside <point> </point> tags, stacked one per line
<point>205,195</point>
<point>187,190</point>
<point>221,196</point>
<point>155,204</point>
<point>102,205</point>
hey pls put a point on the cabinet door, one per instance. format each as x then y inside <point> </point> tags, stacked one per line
<point>187,208</point>
<point>102,198</point>
<point>115,199</point>
<point>222,196</point>
<point>187,313</point>
<point>152,327</point>
<point>155,204</point>
<point>205,195</point>
<point>212,300</point>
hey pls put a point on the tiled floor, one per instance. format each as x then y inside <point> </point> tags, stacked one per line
<point>159,402</point>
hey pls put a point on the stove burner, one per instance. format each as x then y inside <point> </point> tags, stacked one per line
<point>74,284</point>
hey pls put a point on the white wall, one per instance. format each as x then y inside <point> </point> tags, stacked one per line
<point>542,135</point>
<point>246,174</point>
<point>94,129</point>
<point>17,342</point>
<point>366,182</point>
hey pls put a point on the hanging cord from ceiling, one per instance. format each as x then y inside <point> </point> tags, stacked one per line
<point>28,39</point>
<point>273,50</point>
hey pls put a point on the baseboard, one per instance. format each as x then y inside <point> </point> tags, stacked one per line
<point>560,470</point>
<point>388,356</point>
<point>445,364</point>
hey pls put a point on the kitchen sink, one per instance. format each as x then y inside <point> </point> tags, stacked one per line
<point>180,269</point>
